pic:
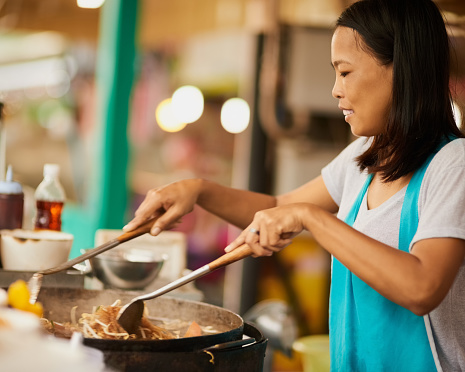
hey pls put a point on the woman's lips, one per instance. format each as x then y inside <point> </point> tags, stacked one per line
<point>345,111</point>
<point>347,114</point>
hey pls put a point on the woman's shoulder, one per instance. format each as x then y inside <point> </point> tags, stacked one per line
<point>451,155</point>
<point>448,166</point>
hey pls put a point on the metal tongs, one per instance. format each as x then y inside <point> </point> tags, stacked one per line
<point>130,315</point>
<point>35,282</point>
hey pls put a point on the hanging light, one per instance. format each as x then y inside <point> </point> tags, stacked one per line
<point>166,118</point>
<point>90,4</point>
<point>235,115</point>
<point>187,103</point>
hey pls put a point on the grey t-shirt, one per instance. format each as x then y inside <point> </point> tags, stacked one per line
<point>441,214</point>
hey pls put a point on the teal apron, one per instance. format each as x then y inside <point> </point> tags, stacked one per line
<point>367,331</point>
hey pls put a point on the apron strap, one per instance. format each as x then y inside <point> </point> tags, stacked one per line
<point>352,215</point>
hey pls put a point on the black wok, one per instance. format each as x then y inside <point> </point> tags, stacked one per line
<point>58,302</point>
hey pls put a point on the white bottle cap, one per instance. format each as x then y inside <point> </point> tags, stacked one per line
<point>9,186</point>
<point>51,170</point>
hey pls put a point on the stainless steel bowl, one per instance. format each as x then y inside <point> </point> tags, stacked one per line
<point>125,270</point>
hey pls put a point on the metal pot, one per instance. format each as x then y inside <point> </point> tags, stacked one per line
<point>119,272</point>
<point>173,355</point>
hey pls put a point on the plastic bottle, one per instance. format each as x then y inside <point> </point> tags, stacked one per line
<point>50,198</point>
<point>11,202</point>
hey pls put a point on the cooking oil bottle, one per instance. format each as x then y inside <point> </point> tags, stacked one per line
<point>50,198</point>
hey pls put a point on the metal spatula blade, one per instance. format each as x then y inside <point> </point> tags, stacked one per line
<point>130,315</point>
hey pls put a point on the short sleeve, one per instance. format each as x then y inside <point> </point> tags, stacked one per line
<point>442,195</point>
<point>341,168</point>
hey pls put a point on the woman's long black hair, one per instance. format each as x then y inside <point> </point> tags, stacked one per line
<point>411,35</point>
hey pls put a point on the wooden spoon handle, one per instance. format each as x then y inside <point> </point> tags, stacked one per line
<point>230,257</point>
<point>141,230</point>
<point>238,254</point>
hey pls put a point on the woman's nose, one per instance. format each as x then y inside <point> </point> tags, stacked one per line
<point>336,92</point>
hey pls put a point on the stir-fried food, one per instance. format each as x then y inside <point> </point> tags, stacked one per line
<point>102,323</point>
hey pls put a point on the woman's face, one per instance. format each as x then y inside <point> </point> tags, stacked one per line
<point>363,86</point>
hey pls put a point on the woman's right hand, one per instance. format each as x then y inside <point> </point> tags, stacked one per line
<point>167,204</point>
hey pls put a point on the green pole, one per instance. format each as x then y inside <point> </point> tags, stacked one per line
<point>114,77</point>
<point>106,200</point>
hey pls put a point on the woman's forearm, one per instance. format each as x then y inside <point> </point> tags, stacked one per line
<point>418,281</point>
<point>235,206</point>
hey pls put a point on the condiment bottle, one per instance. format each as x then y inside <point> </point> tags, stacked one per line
<point>50,198</point>
<point>11,202</point>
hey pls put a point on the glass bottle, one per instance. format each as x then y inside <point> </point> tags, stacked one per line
<point>50,198</point>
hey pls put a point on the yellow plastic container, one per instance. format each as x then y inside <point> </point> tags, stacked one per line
<point>314,351</point>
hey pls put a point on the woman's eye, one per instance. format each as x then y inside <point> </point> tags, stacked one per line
<point>344,74</point>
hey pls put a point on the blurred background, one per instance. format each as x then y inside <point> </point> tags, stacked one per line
<point>96,88</point>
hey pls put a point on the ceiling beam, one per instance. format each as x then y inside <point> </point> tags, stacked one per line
<point>164,21</point>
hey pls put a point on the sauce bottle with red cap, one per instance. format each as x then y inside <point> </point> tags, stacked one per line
<point>50,198</point>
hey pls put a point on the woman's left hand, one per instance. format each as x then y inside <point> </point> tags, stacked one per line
<point>272,229</point>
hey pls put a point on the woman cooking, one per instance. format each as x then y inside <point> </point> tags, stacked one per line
<point>398,241</point>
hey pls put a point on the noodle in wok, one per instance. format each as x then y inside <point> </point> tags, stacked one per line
<point>102,324</point>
